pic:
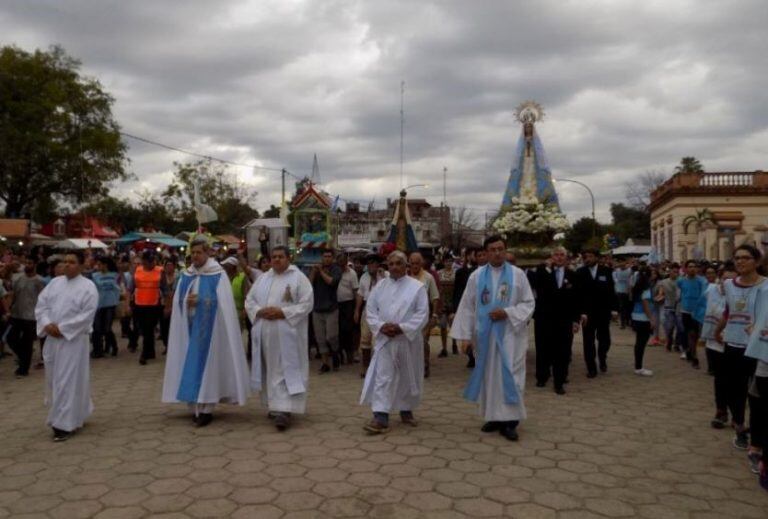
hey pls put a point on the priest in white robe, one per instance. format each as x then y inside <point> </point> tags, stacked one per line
<point>493,317</point>
<point>397,310</point>
<point>206,361</point>
<point>278,305</point>
<point>65,310</point>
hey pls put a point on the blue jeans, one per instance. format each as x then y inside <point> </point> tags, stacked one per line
<point>673,329</point>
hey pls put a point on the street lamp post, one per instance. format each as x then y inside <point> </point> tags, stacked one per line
<point>403,192</point>
<point>591,196</point>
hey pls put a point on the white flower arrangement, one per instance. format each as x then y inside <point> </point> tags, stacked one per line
<point>530,216</point>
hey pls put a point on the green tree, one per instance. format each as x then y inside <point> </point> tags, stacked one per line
<point>118,213</point>
<point>698,220</point>
<point>630,222</point>
<point>231,201</point>
<point>580,235</point>
<point>58,139</point>
<point>689,165</point>
<point>272,212</point>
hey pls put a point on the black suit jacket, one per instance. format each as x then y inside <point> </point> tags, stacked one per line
<point>553,303</point>
<point>460,284</point>
<point>598,296</point>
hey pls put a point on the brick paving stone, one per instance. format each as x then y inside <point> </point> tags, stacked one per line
<point>615,446</point>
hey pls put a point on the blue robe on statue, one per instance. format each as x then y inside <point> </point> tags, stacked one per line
<point>544,188</point>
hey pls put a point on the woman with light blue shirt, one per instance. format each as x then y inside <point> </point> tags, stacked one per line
<point>757,349</point>
<point>743,295</point>
<point>105,277</point>
<point>643,318</point>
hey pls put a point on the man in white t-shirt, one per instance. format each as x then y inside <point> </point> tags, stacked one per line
<point>368,281</point>
<point>345,295</point>
<point>416,271</point>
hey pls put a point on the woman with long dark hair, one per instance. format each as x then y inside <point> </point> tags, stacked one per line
<point>715,349</point>
<point>743,294</point>
<point>169,280</point>
<point>643,318</point>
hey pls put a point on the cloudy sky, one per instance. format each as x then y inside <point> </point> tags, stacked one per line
<point>628,87</point>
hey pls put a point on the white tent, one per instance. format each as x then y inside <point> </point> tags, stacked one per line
<point>81,243</point>
<point>630,249</point>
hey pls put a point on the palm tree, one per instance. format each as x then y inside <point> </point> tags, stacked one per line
<point>699,219</point>
<point>689,165</point>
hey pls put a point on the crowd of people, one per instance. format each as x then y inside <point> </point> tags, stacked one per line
<point>379,312</point>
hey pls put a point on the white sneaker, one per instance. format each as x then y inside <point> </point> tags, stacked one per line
<point>683,356</point>
<point>644,372</point>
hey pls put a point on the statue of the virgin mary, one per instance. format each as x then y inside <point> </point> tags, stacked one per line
<point>530,176</point>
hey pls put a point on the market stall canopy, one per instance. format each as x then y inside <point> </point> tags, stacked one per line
<point>80,244</point>
<point>154,237</point>
<point>41,239</point>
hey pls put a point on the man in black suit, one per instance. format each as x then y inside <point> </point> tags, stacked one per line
<point>556,318</point>
<point>475,257</point>
<point>599,305</point>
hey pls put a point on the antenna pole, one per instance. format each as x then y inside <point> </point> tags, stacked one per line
<point>402,129</point>
<point>445,174</point>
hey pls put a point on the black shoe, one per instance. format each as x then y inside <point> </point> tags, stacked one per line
<point>719,421</point>
<point>336,361</point>
<point>443,354</point>
<point>491,427</point>
<point>21,374</point>
<point>132,348</point>
<point>282,421</point>
<point>560,390</point>
<point>114,352</point>
<point>603,367</point>
<point>541,384</point>
<point>204,419</point>
<point>695,363</point>
<point>324,369</point>
<point>455,349</point>
<point>318,356</point>
<point>426,371</point>
<point>509,432</point>
<point>143,361</point>
<point>60,436</point>
<point>95,355</point>
<point>471,362</point>
<point>592,374</point>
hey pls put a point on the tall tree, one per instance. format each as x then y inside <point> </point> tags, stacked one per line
<point>638,190</point>
<point>57,134</point>
<point>219,189</point>
<point>464,223</point>
<point>630,222</point>
<point>580,235</point>
<point>689,165</point>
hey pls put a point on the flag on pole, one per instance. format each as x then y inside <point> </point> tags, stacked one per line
<point>203,212</point>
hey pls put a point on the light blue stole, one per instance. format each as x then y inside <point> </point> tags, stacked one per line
<point>490,333</point>
<point>200,328</point>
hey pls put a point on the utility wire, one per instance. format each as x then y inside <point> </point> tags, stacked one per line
<point>200,155</point>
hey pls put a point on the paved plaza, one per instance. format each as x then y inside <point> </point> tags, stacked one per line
<point>616,446</point>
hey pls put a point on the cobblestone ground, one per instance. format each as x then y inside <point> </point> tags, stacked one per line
<point>616,446</point>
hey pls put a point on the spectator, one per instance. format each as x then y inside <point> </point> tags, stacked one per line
<point>106,280</point>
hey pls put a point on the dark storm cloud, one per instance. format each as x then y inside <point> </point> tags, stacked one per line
<point>627,86</point>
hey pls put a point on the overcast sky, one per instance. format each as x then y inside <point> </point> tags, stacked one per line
<point>627,87</point>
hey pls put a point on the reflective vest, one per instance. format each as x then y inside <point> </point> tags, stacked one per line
<point>237,291</point>
<point>147,286</point>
